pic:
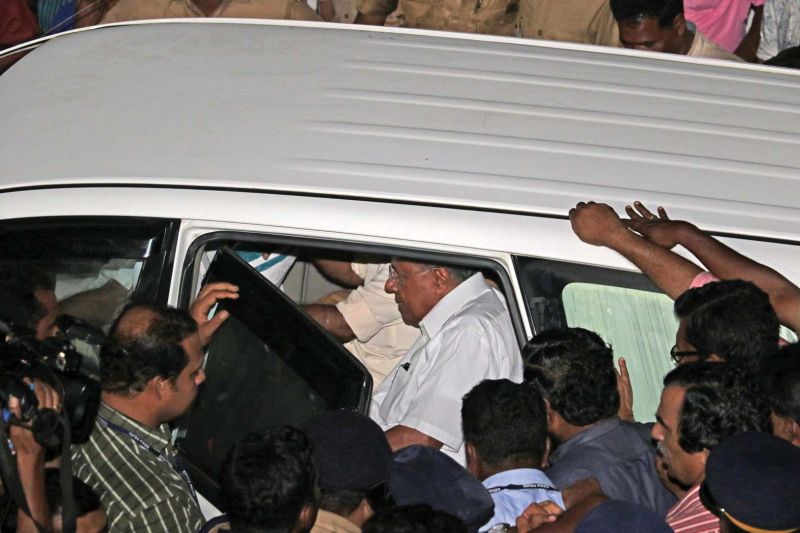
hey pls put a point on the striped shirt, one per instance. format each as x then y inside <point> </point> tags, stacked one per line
<point>140,490</point>
<point>690,516</point>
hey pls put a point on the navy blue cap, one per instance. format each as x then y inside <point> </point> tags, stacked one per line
<point>350,450</point>
<point>616,516</point>
<point>422,475</point>
<point>753,479</point>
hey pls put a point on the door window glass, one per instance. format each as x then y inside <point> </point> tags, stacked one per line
<point>634,322</point>
<point>93,265</point>
<point>624,308</point>
<point>269,364</point>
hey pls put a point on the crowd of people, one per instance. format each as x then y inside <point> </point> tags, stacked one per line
<point>736,30</point>
<point>466,432</point>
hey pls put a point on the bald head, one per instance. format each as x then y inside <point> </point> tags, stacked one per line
<point>145,342</point>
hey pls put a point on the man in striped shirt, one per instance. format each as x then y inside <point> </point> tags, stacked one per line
<point>702,404</point>
<point>149,372</point>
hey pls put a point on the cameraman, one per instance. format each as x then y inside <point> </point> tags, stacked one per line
<point>30,460</point>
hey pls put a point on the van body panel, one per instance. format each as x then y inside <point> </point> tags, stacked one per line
<point>404,116</point>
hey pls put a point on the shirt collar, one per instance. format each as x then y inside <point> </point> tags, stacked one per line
<point>518,476</point>
<point>590,433</point>
<point>159,438</point>
<point>452,302</point>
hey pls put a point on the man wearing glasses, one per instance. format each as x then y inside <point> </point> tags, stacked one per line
<point>466,337</point>
<point>702,404</point>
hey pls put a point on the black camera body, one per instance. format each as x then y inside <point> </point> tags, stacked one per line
<point>56,361</point>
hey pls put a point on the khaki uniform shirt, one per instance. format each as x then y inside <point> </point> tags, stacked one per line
<point>704,47</point>
<point>576,21</point>
<point>382,338</point>
<point>494,17</point>
<point>328,522</point>
<point>126,10</point>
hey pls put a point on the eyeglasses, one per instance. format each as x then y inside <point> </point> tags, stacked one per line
<point>401,280</point>
<point>677,355</point>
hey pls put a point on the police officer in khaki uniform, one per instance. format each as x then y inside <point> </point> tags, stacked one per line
<point>576,21</point>
<point>125,10</point>
<point>495,17</point>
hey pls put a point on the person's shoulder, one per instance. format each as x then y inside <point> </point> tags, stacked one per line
<point>705,47</point>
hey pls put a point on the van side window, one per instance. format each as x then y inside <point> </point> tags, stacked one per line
<point>626,310</point>
<point>92,265</point>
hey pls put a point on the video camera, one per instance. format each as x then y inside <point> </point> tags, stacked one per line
<point>56,361</point>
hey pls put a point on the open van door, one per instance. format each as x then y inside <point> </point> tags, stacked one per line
<point>269,364</point>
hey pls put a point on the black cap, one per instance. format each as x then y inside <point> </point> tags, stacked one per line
<point>350,450</point>
<point>615,516</point>
<point>753,479</point>
<point>422,475</point>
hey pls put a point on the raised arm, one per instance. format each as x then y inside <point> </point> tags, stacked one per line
<point>599,225</point>
<point>339,271</point>
<point>719,259</point>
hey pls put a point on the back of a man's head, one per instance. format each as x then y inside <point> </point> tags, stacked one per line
<point>351,454</point>
<point>269,481</point>
<point>144,343</point>
<point>506,422</point>
<point>413,519</point>
<point>720,400</point>
<point>663,11</point>
<point>781,386</point>
<point>18,288</point>
<point>574,370</point>
<point>732,319</point>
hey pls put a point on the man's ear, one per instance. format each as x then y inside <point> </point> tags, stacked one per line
<point>156,386</point>
<point>551,415</point>
<point>704,455</point>
<point>308,515</point>
<point>714,358</point>
<point>473,460</point>
<point>679,24</point>
<point>441,277</point>
<point>546,454</point>
<point>786,428</point>
<point>794,431</point>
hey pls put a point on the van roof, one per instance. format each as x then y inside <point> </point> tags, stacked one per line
<point>399,115</point>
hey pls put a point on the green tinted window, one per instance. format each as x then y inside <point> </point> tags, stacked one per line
<point>638,324</point>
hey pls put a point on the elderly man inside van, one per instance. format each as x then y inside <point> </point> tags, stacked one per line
<point>466,337</point>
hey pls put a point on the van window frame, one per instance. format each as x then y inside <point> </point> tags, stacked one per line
<point>158,262</point>
<point>187,288</point>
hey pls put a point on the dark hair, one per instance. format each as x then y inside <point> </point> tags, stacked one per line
<point>340,501</point>
<point>413,519</point>
<point>267,479</point>
<point>505,420</point>
<point>732,319</point>
<point>134,356</point>
<point>781,382</point>
<point>574,370</point>
<point>789,58</point>
<point>664,11</point>
<point>720,400</point>
<point>86,499</point>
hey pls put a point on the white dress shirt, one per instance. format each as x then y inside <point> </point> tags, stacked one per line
<point>467,337</point>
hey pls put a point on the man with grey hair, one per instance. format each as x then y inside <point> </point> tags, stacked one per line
<point>466,337</point>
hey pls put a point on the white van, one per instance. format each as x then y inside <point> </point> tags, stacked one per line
<point>129,151</point>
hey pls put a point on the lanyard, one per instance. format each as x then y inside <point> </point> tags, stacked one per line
<point>177,465</point>
<point>539,486</point>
